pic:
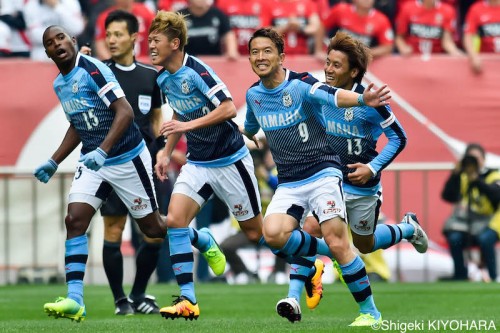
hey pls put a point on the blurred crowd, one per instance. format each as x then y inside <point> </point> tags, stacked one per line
<point>223,27</point>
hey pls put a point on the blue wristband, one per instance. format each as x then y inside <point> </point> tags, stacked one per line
<point>361,100</point>
<point>53,163</point>
<point>102,152</point>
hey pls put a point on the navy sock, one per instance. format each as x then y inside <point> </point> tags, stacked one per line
<point>112,260</point>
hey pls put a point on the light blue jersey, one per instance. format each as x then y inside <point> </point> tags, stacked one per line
<point>192,92</point>
<point>86,94</point>
<point>353,134</point>
<point>290,116</point>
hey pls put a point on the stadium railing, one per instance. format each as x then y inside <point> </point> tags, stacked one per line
<point>32,219</point>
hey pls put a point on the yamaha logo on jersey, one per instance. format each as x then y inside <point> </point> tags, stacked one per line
<point>74,88</point>
<point>348,114</point>
<point>185,87</point>
<point>287,99</point>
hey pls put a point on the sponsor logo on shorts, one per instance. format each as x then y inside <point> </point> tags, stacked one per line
<point>138,205</point>
<point>331,208</point>
<point>238,210</point>
<point>362,226</point>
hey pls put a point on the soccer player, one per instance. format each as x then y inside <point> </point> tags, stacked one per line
<point>353,133</point>
<point>218,159</point>
<point>113,157</point>
<point>138,81</point>
<point>287,106</point>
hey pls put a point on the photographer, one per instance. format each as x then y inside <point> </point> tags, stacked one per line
<point>475,192</point>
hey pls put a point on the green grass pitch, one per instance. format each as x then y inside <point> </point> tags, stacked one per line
<point>251,308</point>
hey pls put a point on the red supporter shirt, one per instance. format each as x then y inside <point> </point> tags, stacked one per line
<point>172,5</point>
<point>323,8</point>
<point>282,11</point>
<point>373,29</point>
<point>483,19</point>
<point>144,16</point>
<point>417,23</point>
<point>401,3</point>
<point>245,18</point>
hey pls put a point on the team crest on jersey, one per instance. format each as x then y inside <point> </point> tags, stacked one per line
<point>185,87</point>
<point>287,99</point>
<point>348,114</point>
<point>74,87</point>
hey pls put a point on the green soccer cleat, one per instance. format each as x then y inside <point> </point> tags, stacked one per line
<point>214,255</point>
<point>367,320</point>
<point>65,308</point>
<point>339,271</point>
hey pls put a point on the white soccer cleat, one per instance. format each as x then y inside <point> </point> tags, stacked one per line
<point>419,240</point>
<point>289,308</point>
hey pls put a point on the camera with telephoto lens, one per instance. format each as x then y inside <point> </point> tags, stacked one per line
<point>470,162</point>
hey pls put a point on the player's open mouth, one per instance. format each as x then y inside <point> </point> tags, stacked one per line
<point>61,52</point>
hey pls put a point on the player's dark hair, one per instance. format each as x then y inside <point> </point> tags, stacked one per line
<point>273,35</point>
<point>123,16</point>
<point>475,146</point>
<point>358,54</point>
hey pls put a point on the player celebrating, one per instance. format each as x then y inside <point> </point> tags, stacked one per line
<point>287,105</point>
<point>218,160</point>
<point>353,133</point>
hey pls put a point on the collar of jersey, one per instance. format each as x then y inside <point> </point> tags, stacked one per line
<point>126,68</point>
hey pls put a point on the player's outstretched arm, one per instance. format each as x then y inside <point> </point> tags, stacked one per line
<point>373,98</point>
<point>378,97</point>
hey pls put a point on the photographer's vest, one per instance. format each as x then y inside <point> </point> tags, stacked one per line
<point>480,205</point>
